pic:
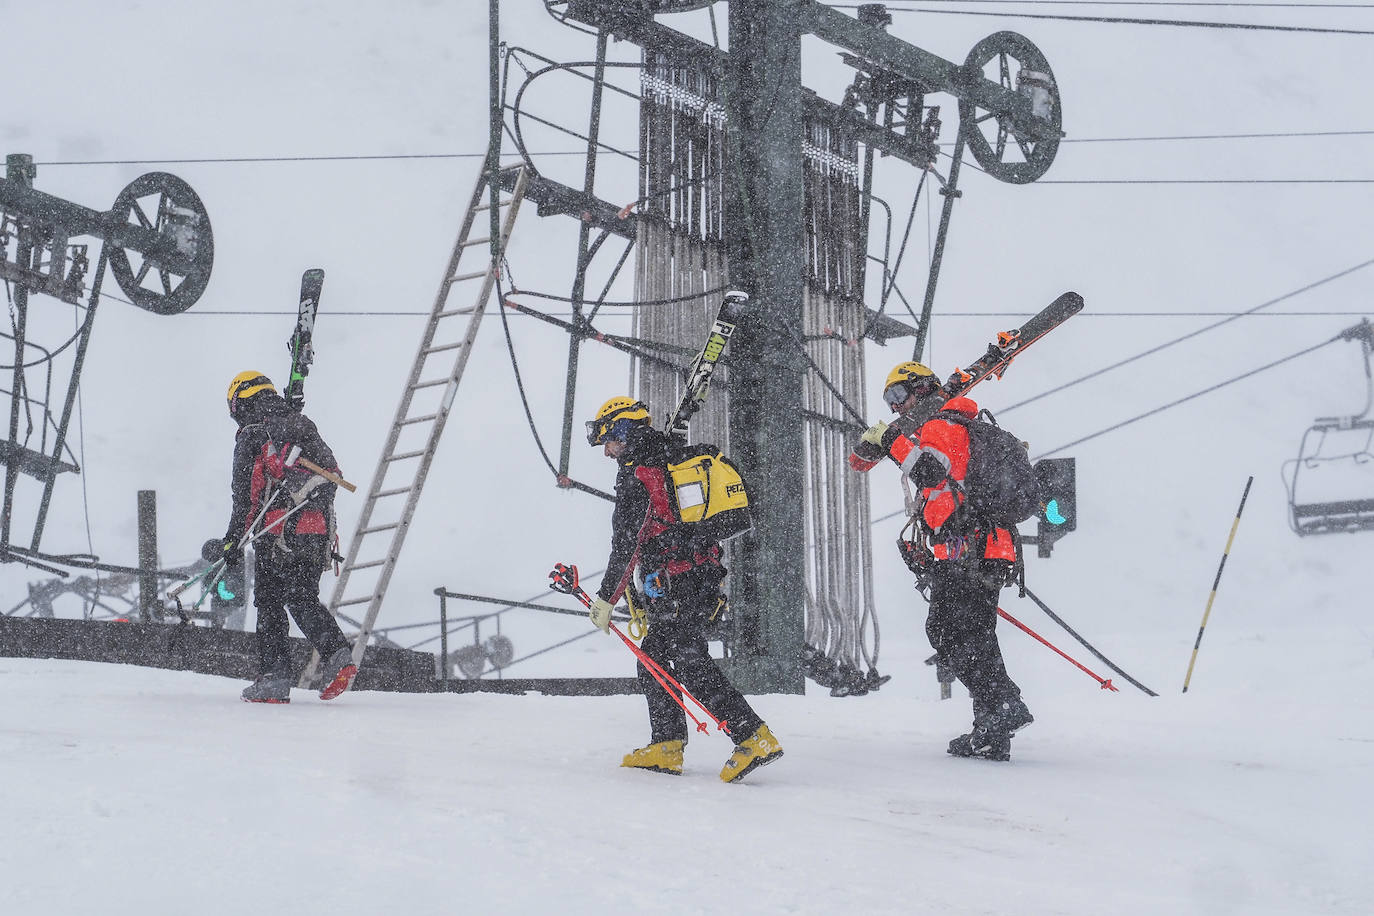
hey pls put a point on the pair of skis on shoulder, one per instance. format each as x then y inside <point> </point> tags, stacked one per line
<point>301,343</point>
<point>1000,353</point>
<point>704,366</point>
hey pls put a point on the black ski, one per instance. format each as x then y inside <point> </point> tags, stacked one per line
<point>699,378</point>
<point>302,350</point>
<point>1009,345</point>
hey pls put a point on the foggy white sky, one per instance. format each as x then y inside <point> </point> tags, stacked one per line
<point>135,82</point>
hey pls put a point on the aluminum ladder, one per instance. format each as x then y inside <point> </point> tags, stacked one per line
<point>418,424</point>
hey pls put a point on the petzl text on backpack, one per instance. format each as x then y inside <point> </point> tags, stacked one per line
<point>711,494</point>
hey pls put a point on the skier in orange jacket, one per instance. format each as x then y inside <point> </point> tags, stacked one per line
<point>967,567</point>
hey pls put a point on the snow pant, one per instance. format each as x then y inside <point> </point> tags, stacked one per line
<point>676,640</point>
<point>962,627</point>
<point>291,581</point>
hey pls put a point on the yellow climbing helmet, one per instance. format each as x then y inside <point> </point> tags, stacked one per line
<point>244,386</point>
<point>906,379</point>
<point>610,416</point>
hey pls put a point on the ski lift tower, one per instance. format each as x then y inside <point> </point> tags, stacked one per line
<point>1009,118</point>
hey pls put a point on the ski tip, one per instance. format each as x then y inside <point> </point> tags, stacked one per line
<point>312,282</point>
<point>1070,300</point>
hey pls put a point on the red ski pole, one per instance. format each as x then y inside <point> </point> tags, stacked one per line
<point>1105,684</point>
<point>565,580</point>
<point>665,679</point>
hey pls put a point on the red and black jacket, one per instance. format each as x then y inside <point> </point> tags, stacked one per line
<point>645,526</point>
<point>259,450</point>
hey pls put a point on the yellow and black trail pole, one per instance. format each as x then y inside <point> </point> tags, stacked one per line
<point>1215,582</point>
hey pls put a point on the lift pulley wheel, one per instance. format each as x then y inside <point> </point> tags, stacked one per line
<point>1013,146</point>
<point>168,277</point>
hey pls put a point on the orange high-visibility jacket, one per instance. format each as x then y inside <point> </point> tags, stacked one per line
<point>947,443</point>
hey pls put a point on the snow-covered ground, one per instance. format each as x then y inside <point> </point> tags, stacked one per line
<point>128,790</point>
<point>135,791</point>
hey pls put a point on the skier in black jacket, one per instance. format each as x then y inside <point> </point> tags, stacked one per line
<point>294,513</point>
<point>646,531</point>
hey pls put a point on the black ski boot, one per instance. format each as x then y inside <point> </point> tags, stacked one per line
<point>273,687</point>
<point>1007,717</point>
<point>993,726</point>
<point>985,747</point>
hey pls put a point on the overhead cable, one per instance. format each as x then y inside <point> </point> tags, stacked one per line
<point>1121,20</point>
<point>1183,400</point>
<point>1191,334</point>
<point>382,157</point>
<point>250,159</point>
<point>1174,3</point>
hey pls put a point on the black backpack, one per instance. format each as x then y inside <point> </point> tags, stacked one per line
<point>291,435</point>
<point>999,488</point>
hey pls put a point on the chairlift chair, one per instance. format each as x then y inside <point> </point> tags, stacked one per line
<point>1327,442</point>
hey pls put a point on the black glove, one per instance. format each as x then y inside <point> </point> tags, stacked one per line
<point>226,549</point>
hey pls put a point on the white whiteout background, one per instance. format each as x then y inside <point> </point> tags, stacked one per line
<point>130,790</point>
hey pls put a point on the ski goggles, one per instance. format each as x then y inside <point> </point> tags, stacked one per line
<point>598,431</point>
<point>897,393</point>
<point>616,424</point>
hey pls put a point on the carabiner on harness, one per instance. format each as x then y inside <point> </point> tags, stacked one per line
<point>638,627</point>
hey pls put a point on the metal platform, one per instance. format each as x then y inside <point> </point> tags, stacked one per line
<point>233,654</point>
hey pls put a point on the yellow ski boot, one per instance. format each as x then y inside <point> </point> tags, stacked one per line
<point>664,757</point>
<point>758,749</point>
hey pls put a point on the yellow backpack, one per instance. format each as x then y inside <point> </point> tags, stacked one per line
<point>710,493</point>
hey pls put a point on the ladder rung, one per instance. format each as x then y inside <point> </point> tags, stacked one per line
<point>404,455</point>
<point>465,310</point>
<point>393,492</point>
<point>472,276</point>
<point>431,383</point>
<point>500,203</point>
<point>380,528</point>
<point>482,241</point>
<point>428,416</point>
<point>367,565</point>
<point>356,601</point>
<point>442,347</point>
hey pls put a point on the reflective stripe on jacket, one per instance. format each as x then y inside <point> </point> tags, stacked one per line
<point>948,444</point>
